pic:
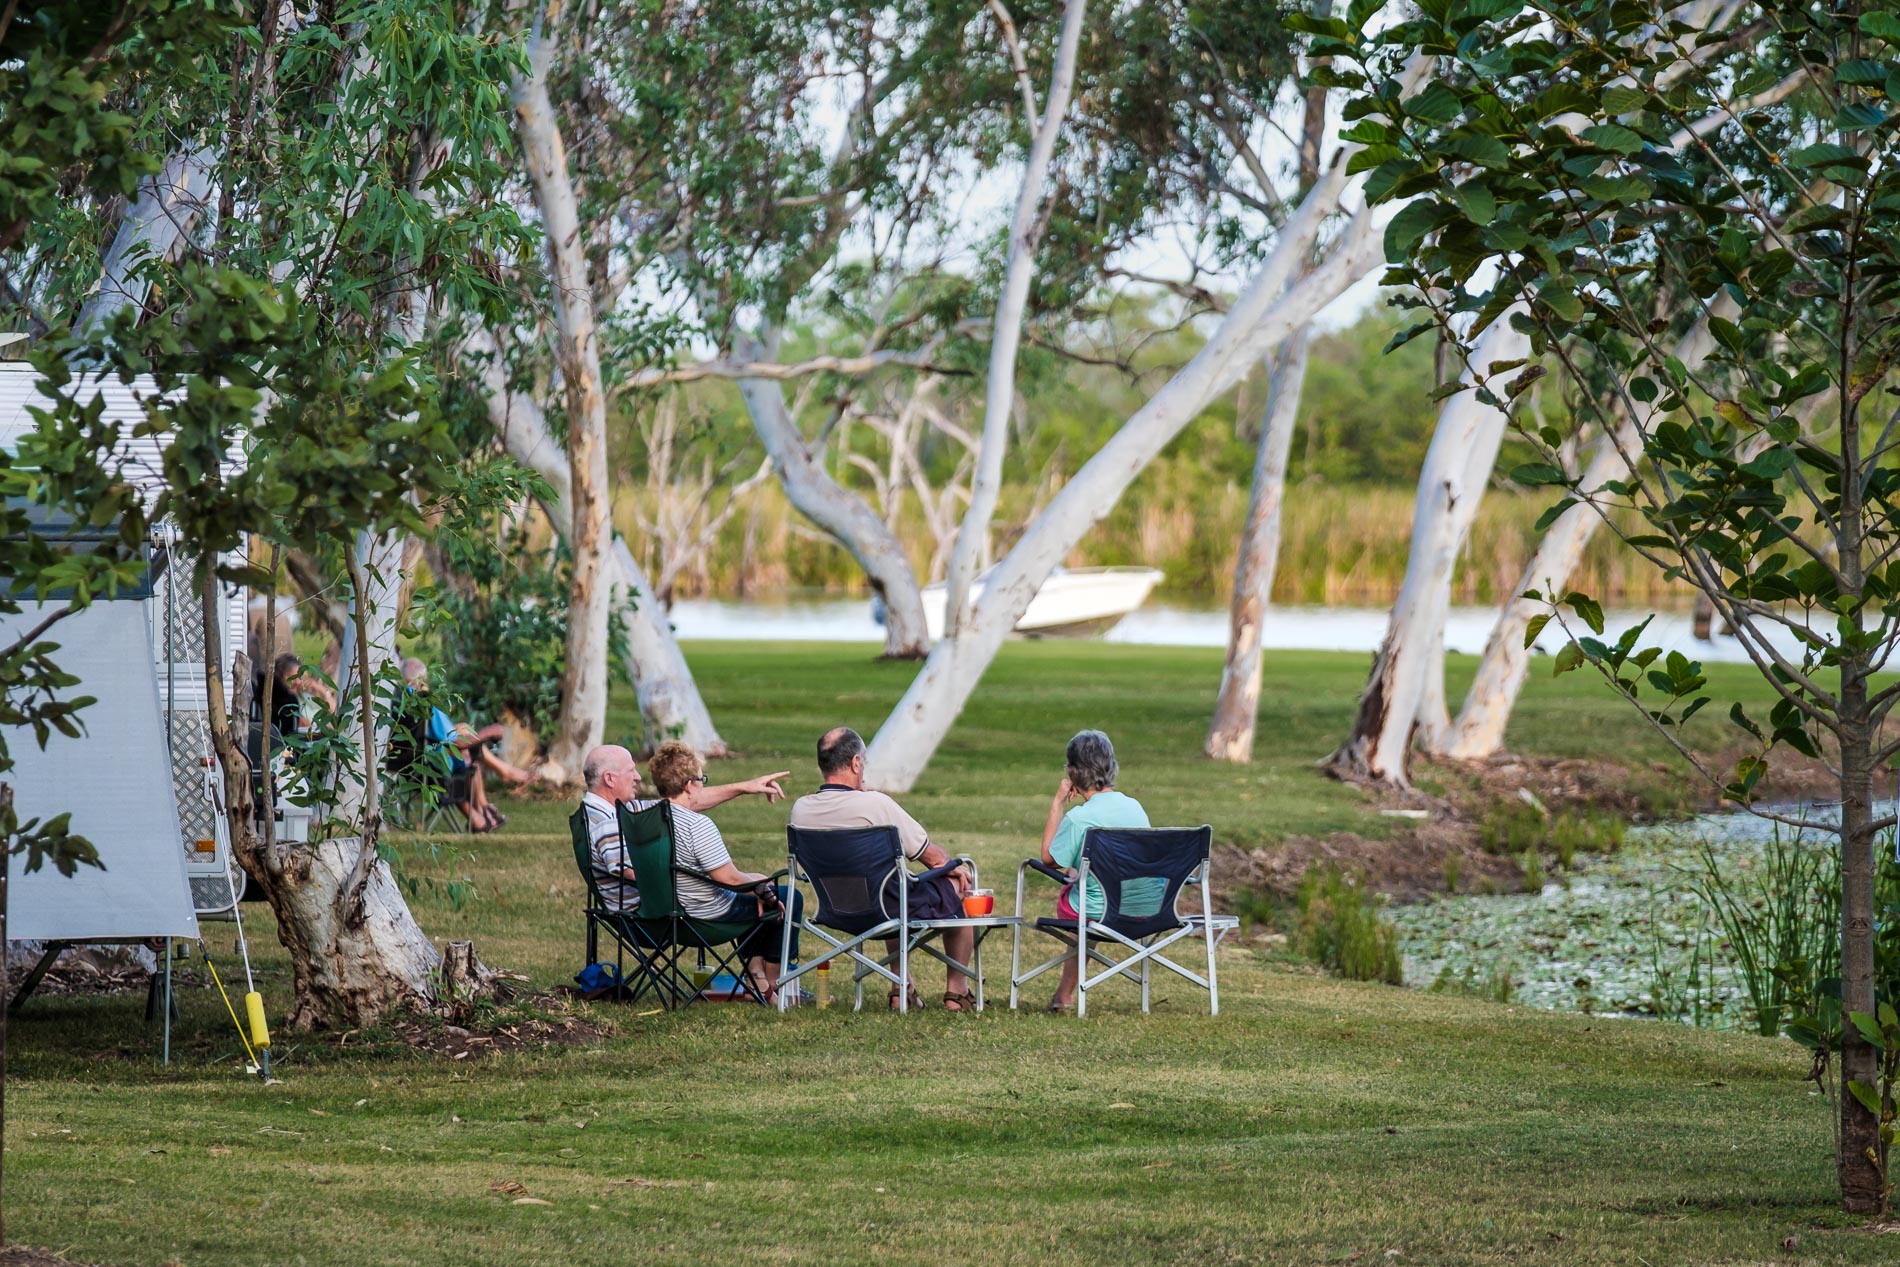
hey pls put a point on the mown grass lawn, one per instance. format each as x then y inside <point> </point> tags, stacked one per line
<point>1313,1121</point>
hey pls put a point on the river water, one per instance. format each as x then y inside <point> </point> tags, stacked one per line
<point>1286,628</point>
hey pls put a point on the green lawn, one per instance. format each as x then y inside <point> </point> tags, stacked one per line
<point>1312,1121</point>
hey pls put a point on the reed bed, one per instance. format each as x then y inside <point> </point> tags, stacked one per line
<point>1340,544</point>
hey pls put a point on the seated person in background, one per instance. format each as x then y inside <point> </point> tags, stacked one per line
<point>295,691</point>
<point>468,750</point>
<point>843,802</point>
<point>1091,776</point>
<point>613,779</point>
<point>704,864</point>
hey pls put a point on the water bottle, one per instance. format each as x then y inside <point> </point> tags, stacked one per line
<point>823,973</point>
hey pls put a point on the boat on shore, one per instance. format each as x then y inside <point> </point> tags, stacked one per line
<point>1072,603</point>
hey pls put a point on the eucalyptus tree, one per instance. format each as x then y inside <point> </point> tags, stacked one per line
<point>1603,177</point>
<point>1230,732</point>
<point>1291,276</point>
<point>288,395</point>
<point>751,162</point>
<point>1402,706</point>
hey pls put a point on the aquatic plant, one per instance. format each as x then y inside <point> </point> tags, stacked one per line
<point>1780,921</point>
<point>1344,927</point>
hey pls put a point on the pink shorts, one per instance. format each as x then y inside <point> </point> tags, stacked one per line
<point>1065,909</point>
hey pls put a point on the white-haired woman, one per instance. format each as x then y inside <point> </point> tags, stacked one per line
<point>1090,776</point>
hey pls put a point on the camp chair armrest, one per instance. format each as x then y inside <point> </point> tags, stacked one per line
<point>1053,872</point>
<point>742,886</point>
<point>937,873</point>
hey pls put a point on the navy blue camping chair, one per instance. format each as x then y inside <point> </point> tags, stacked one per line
<point>1141,872</point>
<point>860,890</point>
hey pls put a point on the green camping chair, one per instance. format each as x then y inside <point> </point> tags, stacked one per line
<point>667,930</point>
<point>619,925</point>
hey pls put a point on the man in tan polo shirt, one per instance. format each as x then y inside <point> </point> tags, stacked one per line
<point>843,802</point>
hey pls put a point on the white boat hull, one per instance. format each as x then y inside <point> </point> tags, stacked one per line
<point>1073,603</point>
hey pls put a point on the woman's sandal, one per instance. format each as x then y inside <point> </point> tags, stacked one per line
<point>1059,1008</point>
<point>964,1002</point>
<point>916,1004</point>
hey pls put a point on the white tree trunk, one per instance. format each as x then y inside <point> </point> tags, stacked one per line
<point>834,508</point>
<point>590,530</point>
<point>156,224</point>
<point>1264,315</point>
<point>1007,327</point>
<point>348,972</point>
<point>381,559</point>
<point>1434,712</point>
<point>1463,450</point>
<point>669,698</point>
<point>1479,731</point>
<point>1236,709</point>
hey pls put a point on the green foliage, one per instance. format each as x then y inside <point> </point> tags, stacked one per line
<point>1493,982</point>
<point>1341,927</point>
<point>71,77</point>
<point>1512,826</point>
<point>1780,924</point>
<point>1623,186</point>
<point>75,77</point>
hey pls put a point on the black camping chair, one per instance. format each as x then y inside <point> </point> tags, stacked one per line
<point>617,924</point>
<point>1141,872</point>
<point>861,889</point>
<point>663,926</point>
<point>428,788</point>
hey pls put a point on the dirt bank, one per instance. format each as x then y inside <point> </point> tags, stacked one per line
<point>1439,830</point>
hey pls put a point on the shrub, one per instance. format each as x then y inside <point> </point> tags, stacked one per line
<point>1342,928</point>
<point>1494,981</point>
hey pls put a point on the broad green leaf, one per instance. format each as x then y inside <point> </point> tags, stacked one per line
<point>1613,137</point>
<point>1586,608</point>
<point>1881,24</point>
<point>1535,473</point>
<point>1621,99</point>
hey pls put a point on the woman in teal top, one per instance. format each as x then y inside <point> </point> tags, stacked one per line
<point>1090,776</point>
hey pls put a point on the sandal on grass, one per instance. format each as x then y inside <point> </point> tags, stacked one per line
<point>916,1004</point>
<point>1058,1007</point>
<point>964,1002</point>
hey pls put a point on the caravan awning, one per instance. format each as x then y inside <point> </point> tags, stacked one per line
<point>115,781</point>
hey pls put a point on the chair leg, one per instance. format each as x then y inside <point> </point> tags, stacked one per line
<point>1015,956</point>
<point>1082,965</point>
<point>1213,981</point>
<point>1144,981</point>
<point>977,936</point>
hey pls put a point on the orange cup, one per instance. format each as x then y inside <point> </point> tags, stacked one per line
<point>979,902</point>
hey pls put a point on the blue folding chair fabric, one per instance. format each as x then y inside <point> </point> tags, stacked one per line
<point>861,889</point>
<point>1141,872</point>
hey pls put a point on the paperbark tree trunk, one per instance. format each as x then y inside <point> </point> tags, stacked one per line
<point>1264,315</point>
<point>1236,709</point>
<point>1007,327</point>
<point>670,703</point>
<point>155,226</point>
<point>834,508</point>
<point>369,633</point>
<point>351,960</point>
<point>1463,450</point>
<point>590,596</point>
<point>1479,730</point>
